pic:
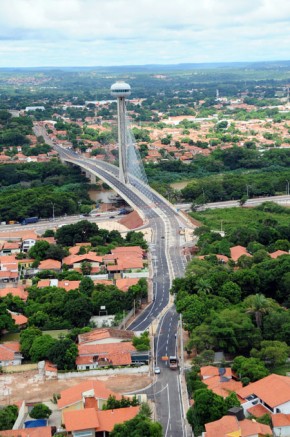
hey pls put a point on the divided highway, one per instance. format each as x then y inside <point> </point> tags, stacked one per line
<point>168,263</point>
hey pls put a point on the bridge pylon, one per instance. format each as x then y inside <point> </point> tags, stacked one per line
<point>121,90</point>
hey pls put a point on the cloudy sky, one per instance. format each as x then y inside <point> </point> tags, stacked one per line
<point>122,32</point>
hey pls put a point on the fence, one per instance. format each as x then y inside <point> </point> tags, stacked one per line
<point>104,372</point>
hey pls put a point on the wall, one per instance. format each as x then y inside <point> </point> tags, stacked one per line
<point>104,372</point>
<point>282,431</point>
<point>77,406</point>
<point>23,410</point>
<point>136,275</point>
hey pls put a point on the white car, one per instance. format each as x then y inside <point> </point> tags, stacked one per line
<point>157,370</point>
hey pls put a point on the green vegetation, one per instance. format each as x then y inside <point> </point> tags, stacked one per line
<point>8,416</point>
<point>40,411</point>
<point>140,426</point>
<point>200,413</point>
<point>28,190</point>
<point>112,403</point>
<point>142,343</point>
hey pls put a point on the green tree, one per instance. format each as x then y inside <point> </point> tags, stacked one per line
<point>40,347</point>
<point>86,268</point>
<point>86,286</point>
<point>140,426</point>
<point>251,368</point>
<point>38,251</point>
<point>63,353</point>
<point>40,411</point>
<point>273,353</point>
<point>258,305</point>
<point>27,337</point>
<point>8,416</point>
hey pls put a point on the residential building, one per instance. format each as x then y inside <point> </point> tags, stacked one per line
<point>105,336</point>
<point>50,264</point>
<point>229,426</point>
<point>19,319</point>
<point>10,354</point>
<point>93,356</point>
<point>67,285</point>
<point>75,398</point>
<point>92,423</point>
<point>272,394</point>
<point>15,291</point>
<point>220,380</point>
<point>237,252</point>
<point>43,431</point>
<point>281,424</point>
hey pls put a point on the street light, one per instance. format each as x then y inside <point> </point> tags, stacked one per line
<point>248,186</point>
<point>287,188</point>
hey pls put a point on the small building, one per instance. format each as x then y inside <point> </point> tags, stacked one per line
<point>50,264</point>
<point>10,354</point>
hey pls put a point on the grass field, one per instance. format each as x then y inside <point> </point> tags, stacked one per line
<point>231,218</point>
<point>14,336</point>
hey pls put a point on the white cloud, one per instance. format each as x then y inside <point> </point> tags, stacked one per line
<point>111,32</point>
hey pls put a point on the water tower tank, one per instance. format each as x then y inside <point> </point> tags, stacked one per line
<point>120,89</point>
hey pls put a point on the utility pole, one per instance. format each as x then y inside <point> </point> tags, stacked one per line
<point>287,188</point>
<point>52,211</point>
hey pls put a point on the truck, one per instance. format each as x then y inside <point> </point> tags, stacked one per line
<point>173,362</point>
<point>29,220</point>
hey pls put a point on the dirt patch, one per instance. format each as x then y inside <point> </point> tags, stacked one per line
<point>30,387</point>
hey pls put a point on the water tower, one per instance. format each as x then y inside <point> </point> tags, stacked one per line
<point>121,90</point>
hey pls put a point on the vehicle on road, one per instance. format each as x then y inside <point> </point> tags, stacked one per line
<point>112,216</point>
<point>157,370</point>
<point>29,220</point>
<point>173,362</point>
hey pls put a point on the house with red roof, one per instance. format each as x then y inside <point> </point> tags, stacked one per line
<point>66,284</point>
<point>281,424</point>
<point>230,426</point>
<point>75,397</point>
<point>10,354</point>
<point>75,261</point>
<point>15,291</point>
<point>220,380</point>
<point>43,431</point>
<point>93,356</point>
<point>278,253</point>
<point>94,423</point>
<point>50,264</point>
<point>19,319</point>
<point>237,252</point>
<point>272,394</point>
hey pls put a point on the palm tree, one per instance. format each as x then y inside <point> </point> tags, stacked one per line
<point>258,305</point>
<point>203,286</point>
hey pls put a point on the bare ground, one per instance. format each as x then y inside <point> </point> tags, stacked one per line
<point>28,386</point>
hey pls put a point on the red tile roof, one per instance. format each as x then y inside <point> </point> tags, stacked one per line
<point>19,319</point>
<point>82,419</point>
<point>74,394</point>
<point>238,251</point>
<point>103,333</point>
<point>44,431</point>
<point>49,264</point>
<point>125,283</point>
<point>278,253</point>
<point>7,351</point>
<point>274,390</point>
<point>258,410</point>
<point>101,421</point>
<point>280,420</point>
<point>15,291</point>
<point>109,418</point>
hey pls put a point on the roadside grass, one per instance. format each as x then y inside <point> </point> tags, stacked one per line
<point>231,218</point>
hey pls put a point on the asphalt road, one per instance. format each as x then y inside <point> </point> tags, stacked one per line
<point>282,200</point>
<point>41,226</point>
<point>168,264</point>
